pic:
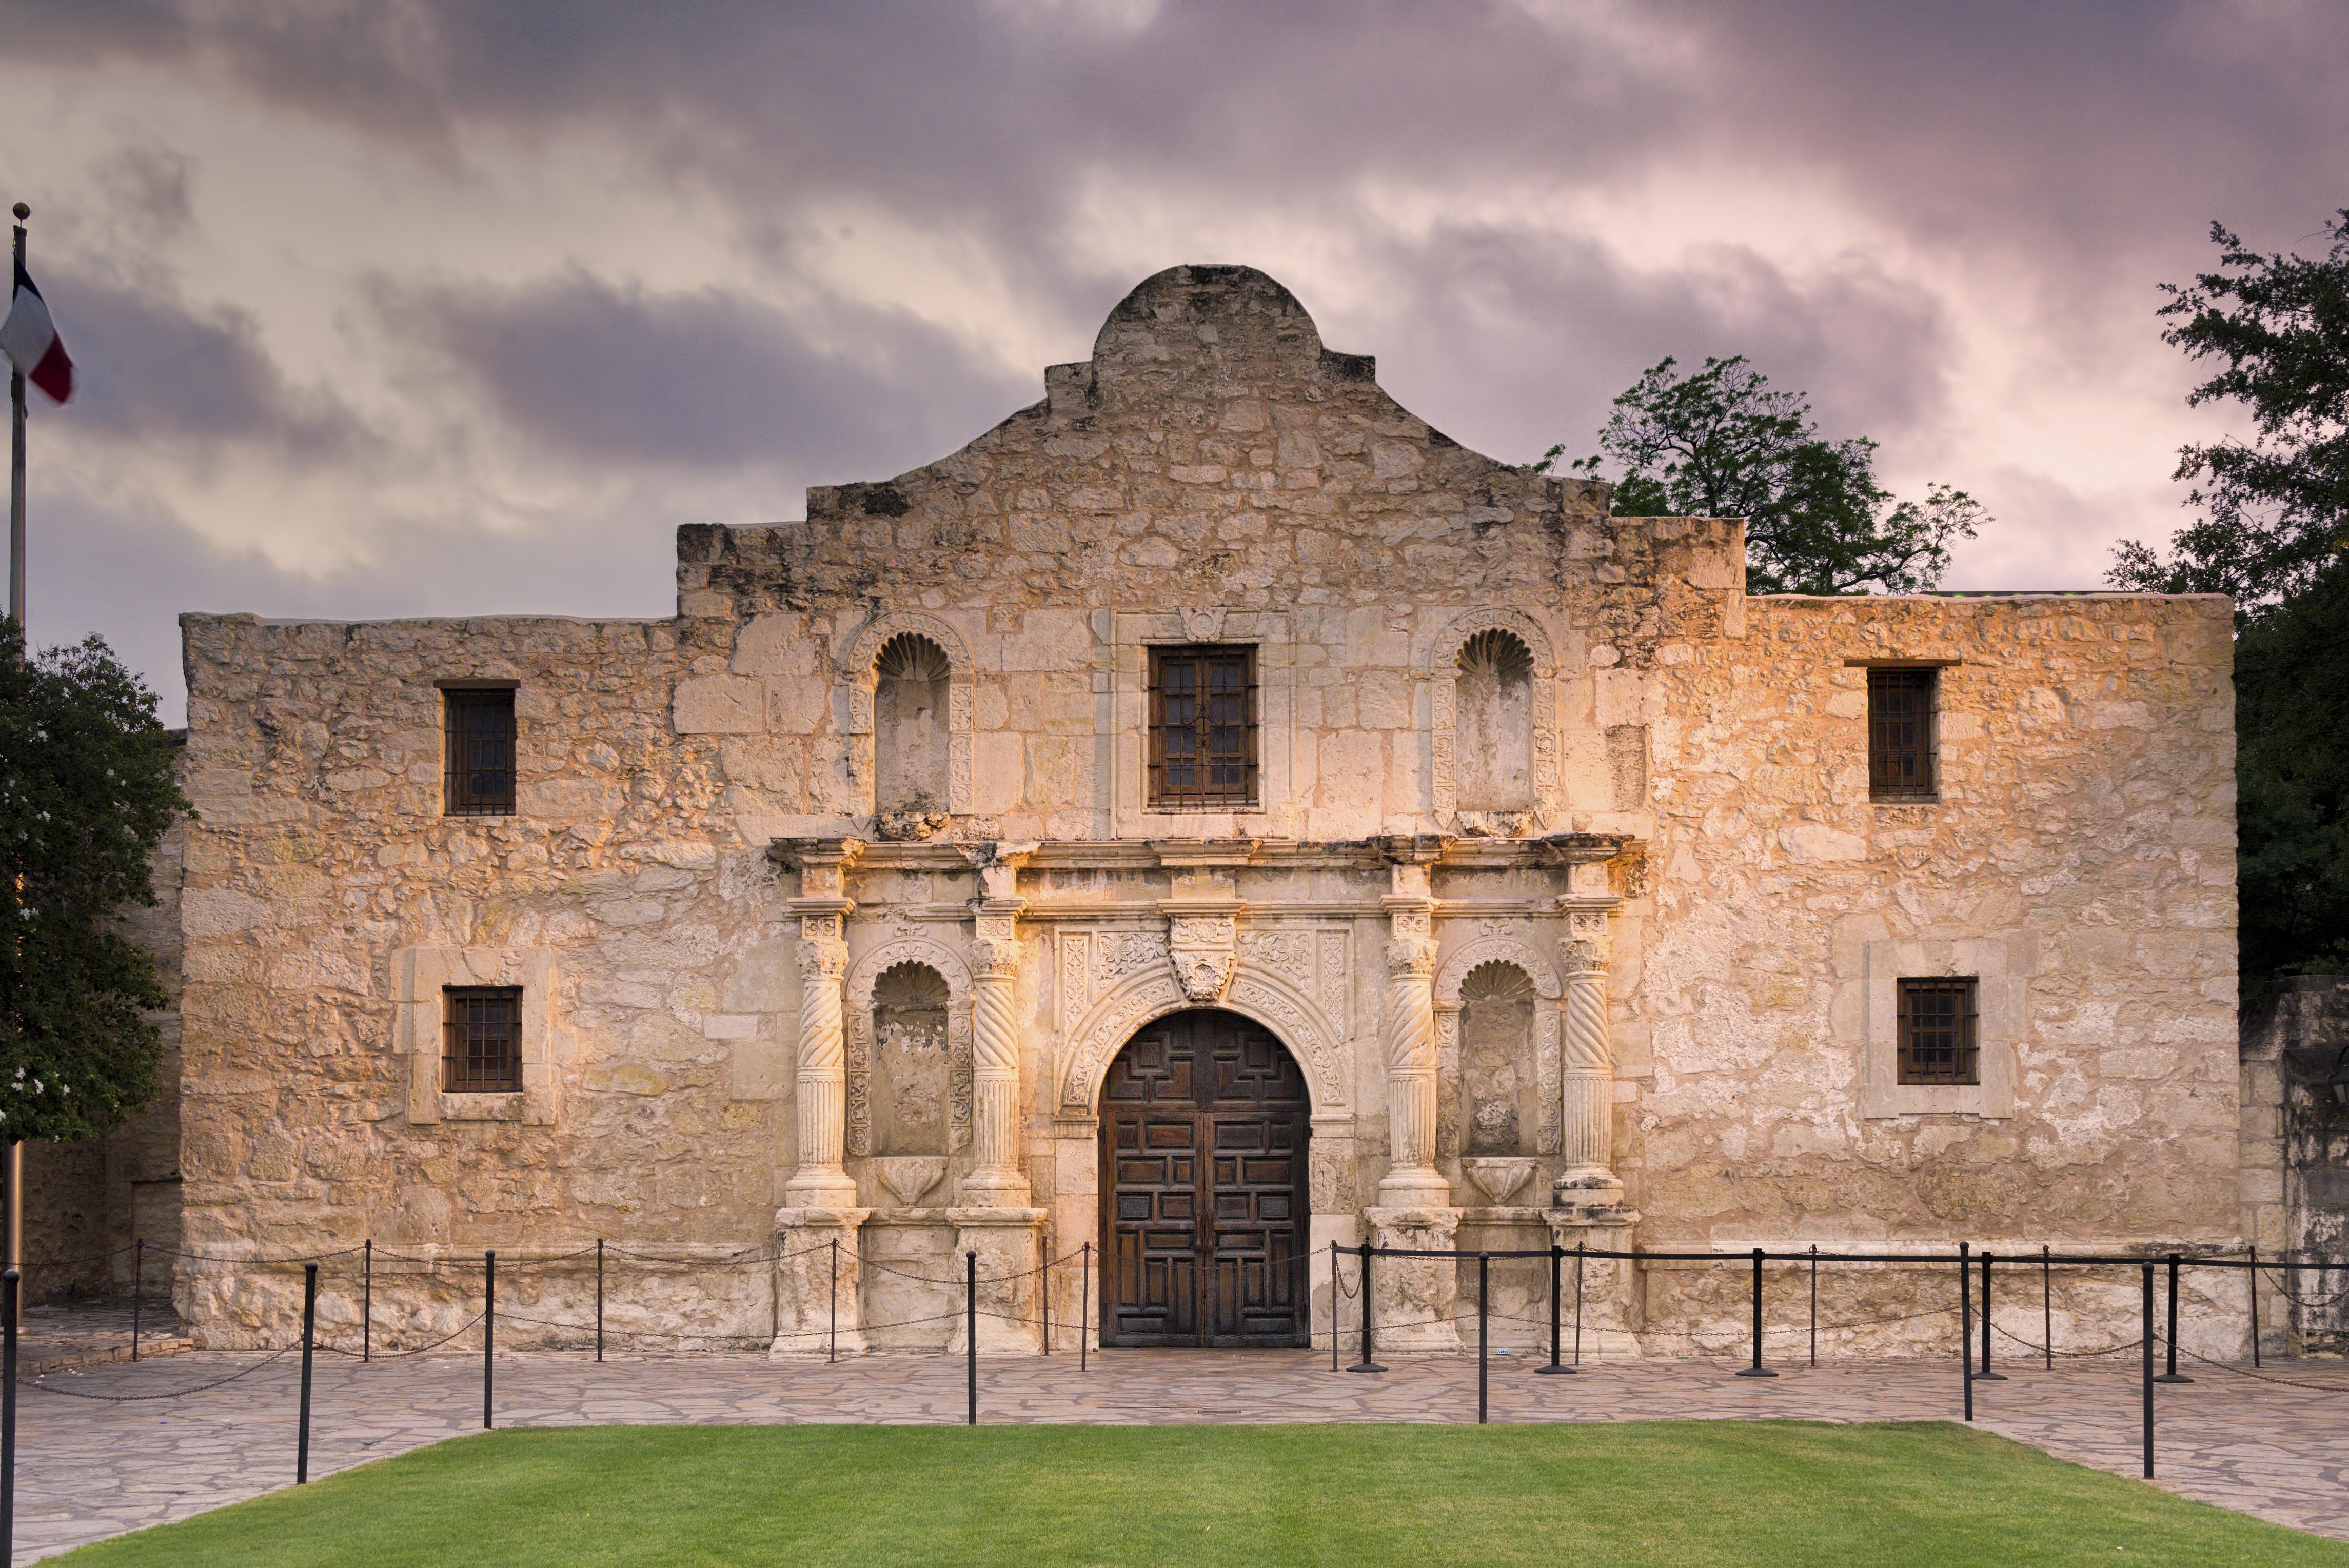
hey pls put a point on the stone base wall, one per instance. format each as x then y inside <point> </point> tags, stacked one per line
<point>910,1302</point>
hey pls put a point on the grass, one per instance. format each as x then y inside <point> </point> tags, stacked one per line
<point>1349,1496</point>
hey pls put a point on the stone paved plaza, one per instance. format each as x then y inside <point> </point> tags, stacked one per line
<point>90,1469</point>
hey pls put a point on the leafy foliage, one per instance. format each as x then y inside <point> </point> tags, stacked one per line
<point>2276,509</point>
<point>1723,443</point>
<point>2291,768</point>
<point>86,793</point>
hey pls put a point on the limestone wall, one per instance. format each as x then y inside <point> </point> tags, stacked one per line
<point>1214,475</point>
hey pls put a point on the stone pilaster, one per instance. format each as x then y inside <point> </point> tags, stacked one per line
<point>997,1180</point>
<point>820,1100</point>
<point>1609,1305</point>
<point>1009,1244</point>
<point>1412,1180</point>
<point>816,1280</point>
<point>1414,1299</point>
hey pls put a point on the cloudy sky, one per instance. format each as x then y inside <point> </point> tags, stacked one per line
<point>398,307</point>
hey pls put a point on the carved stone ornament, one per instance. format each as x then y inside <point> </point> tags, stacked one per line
<point>910,827</point>
<point>1204,625</point>
<point>1204,949</point>
<point>1204,974</point>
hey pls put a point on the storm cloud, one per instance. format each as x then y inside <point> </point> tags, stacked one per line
<point>396,308</point>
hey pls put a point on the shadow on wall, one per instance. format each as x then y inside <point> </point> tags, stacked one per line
<point>2302,1027</point>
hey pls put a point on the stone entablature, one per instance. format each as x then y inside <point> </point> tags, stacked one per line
<point>702,890</point>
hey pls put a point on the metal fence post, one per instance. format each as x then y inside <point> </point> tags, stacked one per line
<point>1986,1374</point>
<point>1556,1268</point>
<point>2254,1271</point>
<point>1085,1311</point>
<point>970,1333</point>
<point>2170,1374</point>
<point>1966,1323</point>
<point>2148,1371</point>
<point>1577,1303</point>
<point>11,1287</point>
<point>1044,1298</point>
<point>1814,1304</point>
<point>366,1301</point>
<point>1366,1364</point>
<point>137,1271</point>
<point>831,1353</point>
<point>599,1298</point>
<point>1757,1369</point>
<point>2047,1305</point>
<point>489,1332</point>
<point>309,1336</point>
<point>1484,1331</point>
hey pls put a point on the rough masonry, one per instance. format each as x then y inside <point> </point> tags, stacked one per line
<point>835,900</point>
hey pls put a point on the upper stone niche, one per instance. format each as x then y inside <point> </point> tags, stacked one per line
<point>1210,451</point>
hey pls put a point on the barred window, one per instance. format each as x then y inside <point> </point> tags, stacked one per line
<point>1939,1032</point>
<point>1901,740</point>
<point>478,752</point>
<point>480,1050</point>
<point>1203,743</point>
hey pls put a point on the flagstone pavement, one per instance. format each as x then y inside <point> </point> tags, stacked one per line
<point>2276,1446</point>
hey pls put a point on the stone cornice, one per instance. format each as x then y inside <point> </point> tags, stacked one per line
<point>1150,855</point>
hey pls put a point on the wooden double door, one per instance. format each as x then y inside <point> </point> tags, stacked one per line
<point>1205,1118</point>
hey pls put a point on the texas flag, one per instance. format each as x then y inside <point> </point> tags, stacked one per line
<point>30,338</point>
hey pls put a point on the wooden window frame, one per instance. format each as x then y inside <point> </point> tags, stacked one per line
<point>1162,797</point>
<point>462,774</point>
<point>472,1016</point>
<point>1904,769</point>
<point>1953,1061</point>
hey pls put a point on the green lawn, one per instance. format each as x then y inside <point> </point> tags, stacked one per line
<point>1348,1496</point>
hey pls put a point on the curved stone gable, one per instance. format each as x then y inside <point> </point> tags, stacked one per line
<point>1212,451</point>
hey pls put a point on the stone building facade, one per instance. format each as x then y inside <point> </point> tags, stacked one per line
<point>1211,816</point>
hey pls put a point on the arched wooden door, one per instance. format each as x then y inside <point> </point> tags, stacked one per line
<point>1204,1123</point>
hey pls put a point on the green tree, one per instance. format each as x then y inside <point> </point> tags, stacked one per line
<point>87,791</point>
<point>2292,772</point>
<point>1723,443</point>
<point>2276,508</point>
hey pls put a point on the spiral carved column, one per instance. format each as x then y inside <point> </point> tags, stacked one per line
<point>820,1102</point>
<point>1589,1074</point>
<point>1412,1180</point>
<point>996,1177</point>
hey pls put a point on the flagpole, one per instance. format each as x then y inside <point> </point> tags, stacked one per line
<point>16,471</point>
<point>16,1163</point>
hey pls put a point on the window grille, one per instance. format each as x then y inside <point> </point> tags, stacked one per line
<point>1203,726</point>
<point>481,1045</point>
<point>1939,1020</point>
<point>1900,734</point>
<point>479,753</point>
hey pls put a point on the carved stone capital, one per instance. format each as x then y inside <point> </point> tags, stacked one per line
<point>822,954</point>
<point>823,863</point>
<point>1410,957</point>
<point>996,959</point>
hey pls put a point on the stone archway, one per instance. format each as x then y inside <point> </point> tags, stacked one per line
<point>1205,1119</point>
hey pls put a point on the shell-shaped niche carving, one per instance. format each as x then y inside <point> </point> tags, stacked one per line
<point>910,732</point>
